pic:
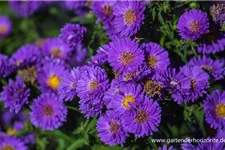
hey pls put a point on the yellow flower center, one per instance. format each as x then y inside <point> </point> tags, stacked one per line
<point>48,110</point>
<point>18,63</point>
<point>206,68</point>
<point>193,84</point>
<point>127,99</point>
<point>73,85</point>
<point>3,29</point>
<point>93,85</point>
<point>114,127</point>
<point>23,1</point>
<point>151,61</point>
<point>130,17</point>
<point>11,132</point>
<point>174,83</point>
<point>130,76</point>
<point>220,110</point>
<point>194,26</point>
<point>56,52</point>
<point>54,82</point>
<point>107,10</point>
<point>40,42</point>
<point>141,116</point>
<point>30,74</point>
<point>127,58</point>
<point>88,3</point>
<point>152,88</point>
<point>8,147</point>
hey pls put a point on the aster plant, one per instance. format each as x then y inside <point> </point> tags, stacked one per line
<point>15,94</point>
<point>5,26</point>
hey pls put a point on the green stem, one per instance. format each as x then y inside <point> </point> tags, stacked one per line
<point>200,120</point>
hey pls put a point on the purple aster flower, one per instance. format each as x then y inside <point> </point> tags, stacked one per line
<point>11,143</point>
<point>212,43</point>
<point>103,10</point>
<point>12,122</point>
<point>102,55</point>
<point>5,26</point>
<point>54,47</point>
<point>176,82</point>
<point>111,129</point>
<point>145,119</point>
<point>48,112</point>
<point>157,58</point>
<point>129,16</point>
<point>210,145</point>
<point>154,88</point>
<point>25,56</point>
<point>217,12</point>
<point>136,74</point>
<point>115,86</point>
<point>93,82</point>
<point>47,2</point>
<point>91,107</point>
<point>127,96</point>
<point>74,5</point>
<point>9,117</point>
<point>166,148</point>
<point>125,56</point>
<point>18,125</point>
<point>15,94</point>
<point>54,60</point>
<point>110,30</point>
<point>214,109</point>
<point>90,88</point>
<point>50,75</point>
<point>199,83</point>
<point>78,57</point>
<point>188,146</point>
<point>29,139</point>
<point>72,34</point>
<point>147,2</point>
<point>67,88</point>
<point>25,8</point>
<point>192,24</point>
<point>215,68</point>
<point>220,133</point>
<point>4,66</point>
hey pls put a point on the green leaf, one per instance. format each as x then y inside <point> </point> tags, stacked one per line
<point>41,143</point>
<point>77,144</point>
<point>199,115</point>
<point>91,125</point>
<point>61,144</point>
<point>153,14</point>
<point>160,18</point>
